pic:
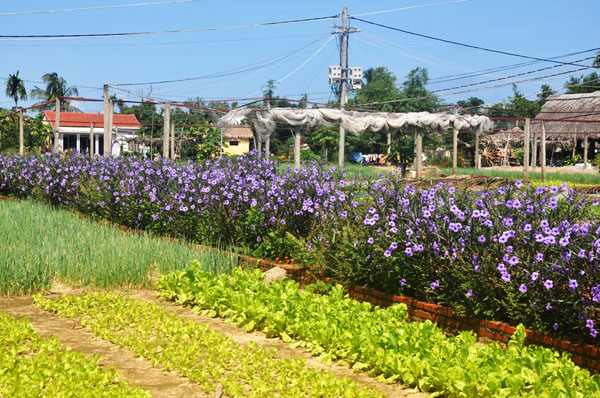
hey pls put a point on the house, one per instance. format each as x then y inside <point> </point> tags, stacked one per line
<point>237,139</point>
<point>75,129</point>
<point>582,137</point>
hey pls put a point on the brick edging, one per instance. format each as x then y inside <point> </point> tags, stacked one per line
<point>584,355</point>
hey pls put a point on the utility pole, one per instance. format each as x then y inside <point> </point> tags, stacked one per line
<point>107,133</point>
<point>343,93</point>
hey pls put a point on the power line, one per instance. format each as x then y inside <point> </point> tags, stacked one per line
<point>470,45</point>
<point>466,75</point>
<point>408,8</point>
<point>157,3</point>
<point>243,69</point>
<point>519,74</point>
<point>125,34</point>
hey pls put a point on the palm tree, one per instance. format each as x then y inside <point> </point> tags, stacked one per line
<point>56,86</point>
<point>15,88</point>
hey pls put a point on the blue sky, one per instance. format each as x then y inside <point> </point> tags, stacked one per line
<point>298,54</point>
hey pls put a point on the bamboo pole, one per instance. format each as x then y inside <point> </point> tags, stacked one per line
<point>418,153</point>
<point>477,156</point>
<point>91,140</point>
<point>389,143</point>
<point>56,149</point>
<point>107,133</point>
<point>526,149</point>
<point>586,145</point>
<point>111,116</point>
<point>297,138</point>
<point>166,124</point>
<point>455,144</point>
<point>21,135</point>
<point>543,151</point>
<point>172,141</point>
<point>533,151</point>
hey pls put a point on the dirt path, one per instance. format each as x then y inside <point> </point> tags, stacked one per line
<point>138,371</point>
<point>283,349</point>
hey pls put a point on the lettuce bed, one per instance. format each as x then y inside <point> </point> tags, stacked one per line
<point>381,340</point>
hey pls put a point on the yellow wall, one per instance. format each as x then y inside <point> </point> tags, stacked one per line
<point>242,147</point>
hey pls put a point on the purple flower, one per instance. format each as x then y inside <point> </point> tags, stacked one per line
<point>470,293</point>
<point>534,276</point>
<point>548,284</point>
<point>402,282</point>
<point>523,288</point>
<point>434,285</point>
<point>370,240</point>
<point>573,284</point>
<point>481,239</point>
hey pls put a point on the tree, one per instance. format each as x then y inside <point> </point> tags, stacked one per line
<point>379,86</point>
<point>471,105</point>
<point>585,83</point>
<point>15,88</point>
<point>546,91</point>
<point>56,86</point>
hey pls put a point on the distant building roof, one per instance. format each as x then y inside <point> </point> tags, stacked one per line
<point>75,119</point>
<point>238,132</point>
<point>585,106</point>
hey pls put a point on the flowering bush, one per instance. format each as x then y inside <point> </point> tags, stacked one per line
<point>517,253</point>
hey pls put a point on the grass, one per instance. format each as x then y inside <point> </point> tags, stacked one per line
<point>40,243</point>
<point>353,170</point>
<point>552,178</point>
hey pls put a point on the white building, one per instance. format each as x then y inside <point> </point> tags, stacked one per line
<point>76,129</point>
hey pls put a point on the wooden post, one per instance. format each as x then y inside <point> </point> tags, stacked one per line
<point>56,148</point>
<point>172,141</point>
<point>477,157</point>
<point>389,143</point>
<point>533,151</point>
<point>21,135</point>
<point>455,143</point>
<point>92,140</point>
<point>418,153</point>
<point>586,145</point>
<point>268,141</point>
<point>297,138</point>
<point>107,133</point>
<point>574,146</point>
<point>111,116</point>
<point>166,124</point>
<point>526,149</point>
<point>543,151</point>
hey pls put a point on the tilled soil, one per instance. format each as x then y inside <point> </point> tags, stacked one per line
<point>137,371</point>
<point>161,383</point>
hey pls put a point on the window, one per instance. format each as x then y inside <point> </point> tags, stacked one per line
<point>234,143</point>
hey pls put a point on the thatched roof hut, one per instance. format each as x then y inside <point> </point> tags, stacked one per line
<point>570,107</point>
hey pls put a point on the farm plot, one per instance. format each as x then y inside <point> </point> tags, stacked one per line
<point>206,357</point>
<point>33,366</point>
<point>381,340</point>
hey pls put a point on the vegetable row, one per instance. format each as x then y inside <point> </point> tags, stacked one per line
<point>33,366</point>
<point>380,340</point>
<point>192,349</point>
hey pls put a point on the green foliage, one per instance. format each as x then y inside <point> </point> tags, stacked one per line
<point>417,354</point>
<point>39,244</point>
<point>573,160</point>
<point>32,366</point>
<point>56,86</point>
<point>553,178</point>
<point>585,83</point>
<point>15,88</point>
<point>205,356</point>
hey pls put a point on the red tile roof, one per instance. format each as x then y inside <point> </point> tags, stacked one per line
<point>73,119</point>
